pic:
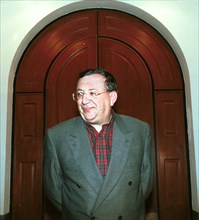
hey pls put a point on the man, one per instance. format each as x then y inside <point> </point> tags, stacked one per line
<point>98,165</point>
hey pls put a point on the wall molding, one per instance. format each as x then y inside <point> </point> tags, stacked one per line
<point>5,217</point>
<point>195,215</point>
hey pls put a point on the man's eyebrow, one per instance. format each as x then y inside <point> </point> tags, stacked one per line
<point>92,89</point>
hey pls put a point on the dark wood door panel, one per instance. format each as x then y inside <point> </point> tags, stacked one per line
<point>62,78</point>
<point>134,81</point>
<point>174,201</point>
<point>27,166</point>
<point>151,45</point>
<point>47,45</point>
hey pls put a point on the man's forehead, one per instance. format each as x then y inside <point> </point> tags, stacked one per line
<point>95,80</point>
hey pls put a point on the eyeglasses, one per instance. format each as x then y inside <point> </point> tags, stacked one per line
<point>90,95</point>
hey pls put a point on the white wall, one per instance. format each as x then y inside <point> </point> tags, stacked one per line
<point>177,20</point>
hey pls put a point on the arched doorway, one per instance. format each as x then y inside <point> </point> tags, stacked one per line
<point>47,72</point>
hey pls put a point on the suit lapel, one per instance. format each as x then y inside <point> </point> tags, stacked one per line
<point>118,161</point>
<point>84,156</point>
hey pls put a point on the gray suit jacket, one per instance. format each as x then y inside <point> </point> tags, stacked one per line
<point>74,183</point>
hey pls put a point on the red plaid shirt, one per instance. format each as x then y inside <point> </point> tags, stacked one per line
<point>101,144</point>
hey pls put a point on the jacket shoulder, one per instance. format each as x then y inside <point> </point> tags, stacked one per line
<point>67,124</point>
<point>131,121</point>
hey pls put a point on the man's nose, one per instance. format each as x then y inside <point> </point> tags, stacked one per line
<point>85,98</point>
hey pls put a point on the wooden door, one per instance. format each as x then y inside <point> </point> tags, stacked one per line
<point>150,88</point>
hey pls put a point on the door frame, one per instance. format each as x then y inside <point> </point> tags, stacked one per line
<point>74,7</point>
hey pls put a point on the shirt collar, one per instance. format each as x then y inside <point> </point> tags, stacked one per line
<point>109,124</point>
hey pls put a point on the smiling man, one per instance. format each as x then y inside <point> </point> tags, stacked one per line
<point>95,98</point>
<point>98,165</point>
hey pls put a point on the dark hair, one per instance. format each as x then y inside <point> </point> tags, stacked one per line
<point>110,81</point>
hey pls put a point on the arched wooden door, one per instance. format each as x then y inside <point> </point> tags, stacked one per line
<point>150,88</point>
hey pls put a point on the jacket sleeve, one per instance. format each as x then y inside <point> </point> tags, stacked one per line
<point>147,170</point>
<point>52,172</point>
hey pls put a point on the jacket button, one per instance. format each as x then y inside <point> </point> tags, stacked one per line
<point>120,217</point>
<point>78,186</point>
<point>130,183</point>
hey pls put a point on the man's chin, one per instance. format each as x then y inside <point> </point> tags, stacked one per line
<point>89,119</point>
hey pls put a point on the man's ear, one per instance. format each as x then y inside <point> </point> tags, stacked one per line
<point>113,97</point>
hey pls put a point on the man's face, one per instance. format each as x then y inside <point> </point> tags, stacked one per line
<point>95,110</point>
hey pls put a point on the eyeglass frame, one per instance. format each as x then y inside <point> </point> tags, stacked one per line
<point>93,96</point>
